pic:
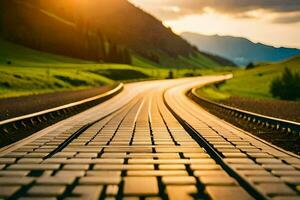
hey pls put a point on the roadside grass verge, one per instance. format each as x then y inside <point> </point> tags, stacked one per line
<point>212,93</point>
<point>254,83</point>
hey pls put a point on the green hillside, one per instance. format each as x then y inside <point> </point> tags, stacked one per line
<point>24,71</point>
<point>254,82</point>
<point>81,29</point>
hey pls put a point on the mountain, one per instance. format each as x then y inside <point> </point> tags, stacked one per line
<point>240,50</point>
<point>99,30</point>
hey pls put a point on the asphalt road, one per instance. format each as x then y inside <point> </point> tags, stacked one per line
<point>148,142</point>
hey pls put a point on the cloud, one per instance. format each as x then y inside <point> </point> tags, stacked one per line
<point>289,19</point>
<point>236,8</point>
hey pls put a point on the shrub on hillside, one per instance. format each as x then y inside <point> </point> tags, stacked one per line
<point>250,66</point>
<point>170,75</point>
<point>287,86</point>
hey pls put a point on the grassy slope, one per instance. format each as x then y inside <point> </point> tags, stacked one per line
<point>33,72</point>
<point>170,44</point>
<point>254,83</point>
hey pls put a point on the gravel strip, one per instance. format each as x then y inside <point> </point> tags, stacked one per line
<point>18,106</point>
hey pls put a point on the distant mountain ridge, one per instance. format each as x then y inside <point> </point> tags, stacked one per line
<point>239,50</point>
<point>86,29</point>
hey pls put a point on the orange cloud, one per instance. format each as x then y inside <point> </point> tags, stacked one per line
<point>236,8</point>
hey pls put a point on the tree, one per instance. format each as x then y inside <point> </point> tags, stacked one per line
<point>126,57</point>
<point>170,75</point>
<point>287,86</point>
<point>101,46</point>
<point>250,66</point>
<point>112,52</point>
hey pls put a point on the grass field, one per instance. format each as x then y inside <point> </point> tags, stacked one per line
<point>24,71</point>
<point>254,83</point>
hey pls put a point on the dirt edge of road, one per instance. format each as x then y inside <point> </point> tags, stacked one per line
<point>19,106</point>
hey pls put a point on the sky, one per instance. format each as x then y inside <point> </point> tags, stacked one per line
<point>273,22</point>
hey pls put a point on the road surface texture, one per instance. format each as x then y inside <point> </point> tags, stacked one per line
<point>149,142</point>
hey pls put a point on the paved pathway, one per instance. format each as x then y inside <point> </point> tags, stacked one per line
<point>149,142</point>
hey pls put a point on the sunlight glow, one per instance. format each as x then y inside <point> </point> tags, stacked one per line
<point>258,25</point>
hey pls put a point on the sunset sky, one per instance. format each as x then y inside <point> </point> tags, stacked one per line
<point>274,22</point>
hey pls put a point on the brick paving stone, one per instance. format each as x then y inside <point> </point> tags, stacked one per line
<point>70,173</point>
<point>84,149</point>
<point>15,155</point>
<point>76,167</point>
<point>292,160</point>
<point>30,160</point>
<point>176,192</point>
<point>88,192</point>
<point>228,193</point>
<point>217,180</point>
<point>265,179</point>
<point>205,167</point>
<point>55,180</point>
<point>14,173</point>
<point>158,173</point>
<point>171,161</point>
<point>128,149</point>
<point>123,167</point>
<point>291,180</point>
<point>196,155</point>
<point>55,161</point>
<point>107,161</point>
<point>255,151</point>
<point>64,155</point>
<point>234,155</point>
<point>286,172</point>
<point>226,150</point>
<point>275,189</point>
<point>112,190</point>
<point>86,155</point>
<point>46,190</point>
<point>140,186</point>
<point>7,191</point>
<point>35,155</point>
<point>260,155</point>
<point>268,161</point>
<point>34,166</point>
<point>254,172</point>
<point>114,155</point>
<point>172,167</point>
<point>93,180</point>
<point>104,173</point>
<point>179,180</point>
<point>247,167</point>
<point>238,160</point>
<point>200,173</point>
<point>79,161</point>
<point>178,149</point>
<point>15,180</point>
<point>7,160</point>
<point>153,155</point>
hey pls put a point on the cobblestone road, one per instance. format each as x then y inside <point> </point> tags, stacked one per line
<point>149,142</point>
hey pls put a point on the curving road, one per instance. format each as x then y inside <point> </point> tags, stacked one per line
<point>148,142</point>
